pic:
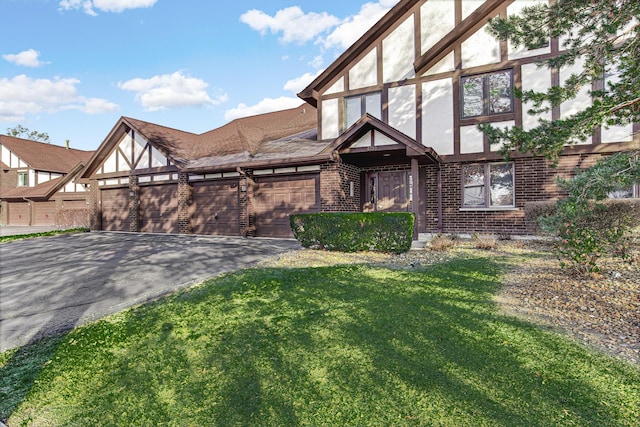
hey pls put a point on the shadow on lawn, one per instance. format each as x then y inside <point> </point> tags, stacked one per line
<point>69,301</point>
<point>348,345</point>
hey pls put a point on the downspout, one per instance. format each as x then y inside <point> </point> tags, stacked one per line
<point>31,206</point>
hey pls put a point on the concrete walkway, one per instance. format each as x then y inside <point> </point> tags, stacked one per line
<point>52,284</point>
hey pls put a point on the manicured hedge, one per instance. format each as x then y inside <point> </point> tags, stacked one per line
<point>355,231</point>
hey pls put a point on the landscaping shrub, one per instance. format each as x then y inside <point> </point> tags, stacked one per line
<point>585,232</point>
<point>484,241</point>
<point>442,242</point>
<point>355,231</point>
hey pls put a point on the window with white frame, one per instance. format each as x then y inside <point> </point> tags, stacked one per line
<point>487,94</point>
<point>488,185</point>
<point>357,106</point>
<point>23,179</point>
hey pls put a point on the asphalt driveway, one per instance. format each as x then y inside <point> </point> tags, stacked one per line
<point>52,284</point>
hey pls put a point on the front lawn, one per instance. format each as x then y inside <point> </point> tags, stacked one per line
<point>345,345</point>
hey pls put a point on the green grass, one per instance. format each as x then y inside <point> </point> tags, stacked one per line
<point>5,239</point>
<point>330,346</point>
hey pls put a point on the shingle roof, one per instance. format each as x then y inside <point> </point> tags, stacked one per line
<point>265,137</point>
<point>45,157</point>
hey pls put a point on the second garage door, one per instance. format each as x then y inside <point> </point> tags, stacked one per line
<point>159,209</point>
<point>115,209</point>
<point>278,197</point>
<point>216,208</point>
<point>45,213</point>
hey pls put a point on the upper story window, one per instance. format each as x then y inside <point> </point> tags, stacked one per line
<point>487,94</point>
<point>23,179</point>
<point>356,107</point>
<point>488,185</point>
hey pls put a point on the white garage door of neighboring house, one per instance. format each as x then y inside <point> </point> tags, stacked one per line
<point>278,197</point>
<point>115,209</point>
<point>18,213</point>
<point>159,209</point>
<point>44,213</point>
<point>216,208</point>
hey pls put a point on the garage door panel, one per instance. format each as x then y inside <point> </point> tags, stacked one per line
<point>278,197</point>
<point>216,208</point>
<point>18,213</point>
<point>44,213</point>
<point>115,209</point>
<point>159,209</point>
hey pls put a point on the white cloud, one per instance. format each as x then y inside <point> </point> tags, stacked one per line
<point>297,26</point>
<point>26,58</point>
<point>353,27</point>
<point>292,22</point>
<point>299,83</point>
<point>98,106</point>
<point>317,62</point>
<point>267,105</point>
<point>23,95</point>
<point>170,91</point>
<point>116,6</point>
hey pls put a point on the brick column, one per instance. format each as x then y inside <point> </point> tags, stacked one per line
<point>185,192</point>
<point>134,202</point>
<point>95,209</point>
<point>247,206</point>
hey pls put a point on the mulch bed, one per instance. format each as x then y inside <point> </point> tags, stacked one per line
<point>602,311</point>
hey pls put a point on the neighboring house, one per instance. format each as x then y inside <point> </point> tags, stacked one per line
<point>37,185</point>
<point>391,125</point>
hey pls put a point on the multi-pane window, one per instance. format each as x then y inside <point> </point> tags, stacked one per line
<point>487,94</point>
<point>357,106</point>
<point>488,185</point>
<point>23,179</point>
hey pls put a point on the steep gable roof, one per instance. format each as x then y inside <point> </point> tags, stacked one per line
<point>464,29</point>
<point>45,157</point>
<point>332,71</point>
<point>369,123</point>
<point>240,142</point>
<point>41,191</point>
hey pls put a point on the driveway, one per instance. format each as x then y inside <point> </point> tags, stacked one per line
<point>52,284</point>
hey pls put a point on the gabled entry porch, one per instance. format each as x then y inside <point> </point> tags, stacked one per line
<point>392,168</point>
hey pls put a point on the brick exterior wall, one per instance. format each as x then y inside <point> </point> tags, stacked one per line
<point>134,197</point>
<point>247,206</point>
<point>335,188</point>
<point>535,181</point>
<point>185,192</point>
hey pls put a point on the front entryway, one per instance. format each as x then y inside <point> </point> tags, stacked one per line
<point>388,192</point>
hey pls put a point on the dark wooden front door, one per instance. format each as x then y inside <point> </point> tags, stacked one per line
<point>388,192</point>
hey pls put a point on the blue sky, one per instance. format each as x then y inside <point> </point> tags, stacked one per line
<point>71,68</point>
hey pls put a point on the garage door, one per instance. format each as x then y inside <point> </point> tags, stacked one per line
<point>18,213</point>
<point>115,209</point>
<point>159,209</point>
<point>73,213</point>
<point>278,197</point>
<point>216,208</point>
<point>44,213</point>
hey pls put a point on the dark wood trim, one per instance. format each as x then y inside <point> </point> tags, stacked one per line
<point>461,32</point>
<point>310,94</point>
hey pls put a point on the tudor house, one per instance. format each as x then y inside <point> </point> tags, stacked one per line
<point>391,125</point>
<point>37,184</point>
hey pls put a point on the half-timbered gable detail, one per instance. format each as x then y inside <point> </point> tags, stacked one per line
<point>391,125</point>
<point>38,184</point>
<point>430,70</point>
